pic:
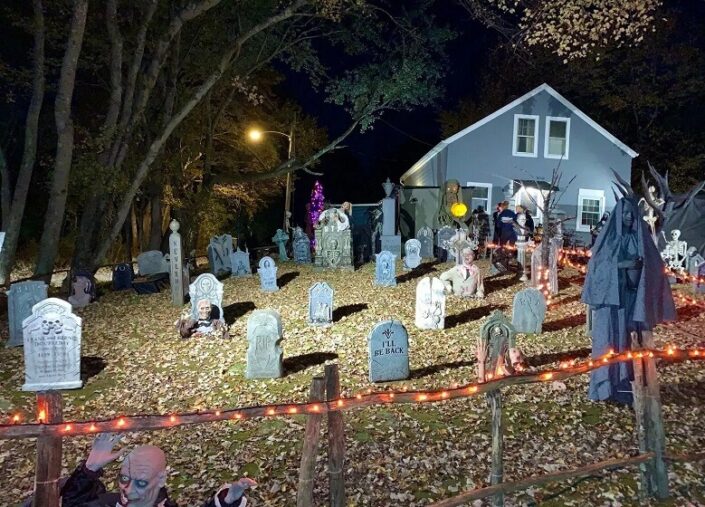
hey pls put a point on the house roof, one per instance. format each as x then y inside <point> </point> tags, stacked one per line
<point>543,88</point>
<point>538,184</point>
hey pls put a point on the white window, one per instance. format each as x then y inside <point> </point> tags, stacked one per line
<point>480,194</point>
<point>526,128</point>
<point>557,137</point>
<point>591,206</point>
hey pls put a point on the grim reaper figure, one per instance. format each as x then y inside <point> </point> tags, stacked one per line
<point>628,293</point>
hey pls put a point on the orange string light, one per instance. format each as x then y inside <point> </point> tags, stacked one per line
<point>572,366</point>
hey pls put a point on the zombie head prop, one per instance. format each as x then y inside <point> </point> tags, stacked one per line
<point>142,476</point>
<point>468,256</point>
<point>204,309</point>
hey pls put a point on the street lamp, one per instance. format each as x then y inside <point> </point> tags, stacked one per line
<point>256,135</point>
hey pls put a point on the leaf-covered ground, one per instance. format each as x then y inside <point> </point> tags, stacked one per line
<point>396,455</point>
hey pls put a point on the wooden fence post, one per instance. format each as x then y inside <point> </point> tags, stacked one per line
<point>48,466</point>
<point>312,436</point>
<point>497,472</point>
<point>336,440</point>
<point>647,407</point>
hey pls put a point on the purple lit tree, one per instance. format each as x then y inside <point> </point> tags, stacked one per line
<point>314,209</point>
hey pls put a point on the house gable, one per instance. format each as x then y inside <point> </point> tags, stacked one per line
<point>522,105</point>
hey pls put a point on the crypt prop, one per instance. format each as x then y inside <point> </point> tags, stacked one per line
<point>464,279</point>
<point>141,483</point>
<point>628,294</point>
<point>333,240</point>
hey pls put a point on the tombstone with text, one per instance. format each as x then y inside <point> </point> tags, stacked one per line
<point>52,347</point>
<point>388,347</point>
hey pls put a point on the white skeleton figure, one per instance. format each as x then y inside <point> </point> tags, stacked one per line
<point>649,212</point>
<point>675,252</point>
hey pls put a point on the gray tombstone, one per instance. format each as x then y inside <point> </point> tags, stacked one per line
<point>320,304</point>
<point>82,289</point>
<point>497,337</point>
<point>152,262</point>
<point>430,304</point>
<point>443,237</point>
<point>52,347</point>
<point>268,274</point>
<point>388,348</point>
<point>385,269</point>
<point>528,311</point>
<point>240,262</point>
<point>206,286</point>
<point>21,297</point>
<point>698,286</point>
<point>219,250</point>
<point>264,335</point>
<point>176,266</point>
<point>391,244</point>
<point>302,247</point>
<point>425,236</point>
<point>412,249</point>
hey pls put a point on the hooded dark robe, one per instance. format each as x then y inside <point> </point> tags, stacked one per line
<point>623,300</point>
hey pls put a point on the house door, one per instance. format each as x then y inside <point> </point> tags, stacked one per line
<point>528,197</point>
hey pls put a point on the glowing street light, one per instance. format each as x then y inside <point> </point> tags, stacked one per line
<point>256,136</point>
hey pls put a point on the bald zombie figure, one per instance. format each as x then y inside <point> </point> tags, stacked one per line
<point>141,481</point>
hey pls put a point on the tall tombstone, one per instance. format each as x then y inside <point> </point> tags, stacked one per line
<point>218,251</point>
<point>122,276</point>
<point>430,304</point>
<point>385,269</point>
<point>388,348</point>
<point>152,262</point>
<point>425,237</point>
<point>264,354</point>
<point>176,265</point>
<point>412,249</point>
<point>320,304</point>
<point>302,247</point>
<point>268,274</point>
<point>497,337</point>
<point>206,286</point>
<point>528,311</point>
<point>240,261</point>
<point>443,238</point>
<point>21,297</point>
<point>390,240</point>
<point>52,347</point>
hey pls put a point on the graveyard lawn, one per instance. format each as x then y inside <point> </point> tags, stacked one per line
<point>134,362</point>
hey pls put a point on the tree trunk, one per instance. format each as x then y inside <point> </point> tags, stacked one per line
<point>13,221</point>
<point>143,168</point>
<point>49,243</point>
<point>155,231</point>
<point>5,190</point>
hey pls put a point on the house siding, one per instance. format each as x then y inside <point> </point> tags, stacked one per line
<point>485,155</point>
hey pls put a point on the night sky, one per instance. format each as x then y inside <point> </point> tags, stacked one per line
<point>355,173</point>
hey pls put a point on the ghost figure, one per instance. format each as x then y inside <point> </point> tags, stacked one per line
<point>628,294</point>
